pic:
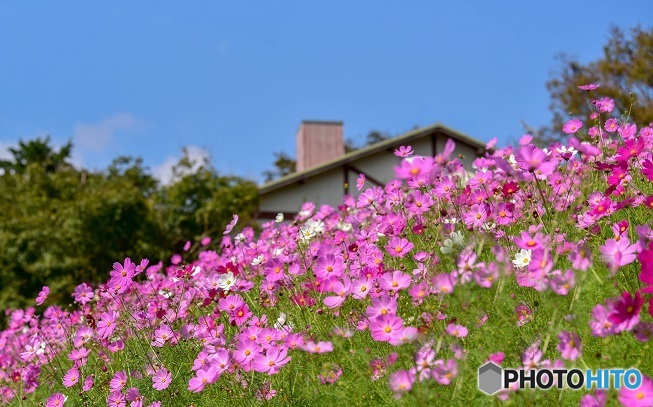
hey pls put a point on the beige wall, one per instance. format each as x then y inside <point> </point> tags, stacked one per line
<point>328,187</point>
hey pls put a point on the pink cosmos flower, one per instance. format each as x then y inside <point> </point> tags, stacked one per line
<point>497,357</point>
<point>605,104</point>
<point>588,87</point>
<point>443,283</point>
<point>71,377</point>
<point>88,383</point>
<point>246,350</point>
<point>360,182</point>
<point>320,347</point>
<point>107,323</point>
<point>639,397</point>
<point>445,372</point>
<point>121,276</point>
<point>274,359</point>
<point>476,215</point>
<point>402,381</point>
<point>405,335</point>
<point>600,322</point>
<point>643,331</point>
<point>630,149</point>
<point>83,293</point>
<point>161,335</point>
<point>399,247</point>
<point>56,400</point>
<point>361,288</point>
<point>572,126</point>
<point>459,331</point>
<point>231,225</point>
<point>161,379</point>
<point>598,399</point>
<point>116,399</point>
<point>419,202</point>
<point>135,397</point>
<point>531,158</point>
<point>43,295</point>
<point>404,151</point>
<point>611,125</point>
<point>118,381</point>
<point>618,253</point>
<point>561,282</point>
<point>187,246</point>
<point>386,327</point>
<point>647,169</point>
<point>419,291</point>
<point>394,281</point>
<point>414,166</point>
<point>201,379</point>
<point>570,346</point>
<point>341,288</point>
<point>329,266</point>
<point>382,305</point>
<point>294,341</point>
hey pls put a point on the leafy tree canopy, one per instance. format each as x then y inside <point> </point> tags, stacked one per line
<point>60,226</point>
<point>625,73</point>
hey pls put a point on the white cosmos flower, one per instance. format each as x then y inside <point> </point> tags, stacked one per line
<point>258,260</point>
<point>280,321</point>
<point>306,233</point>
<point>522,258</point>
<point>279,218</point>
<point>196,270</point>
<point>455,241</point>
<point>226,281</point>
<point>239,238</point>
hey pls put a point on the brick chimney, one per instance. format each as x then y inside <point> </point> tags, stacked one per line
<point>318,142</point>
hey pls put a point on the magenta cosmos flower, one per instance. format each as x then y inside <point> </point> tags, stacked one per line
<point>399,247</point>
<point>626,308</point>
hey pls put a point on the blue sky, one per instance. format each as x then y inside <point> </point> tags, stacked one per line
<point>237,78</point>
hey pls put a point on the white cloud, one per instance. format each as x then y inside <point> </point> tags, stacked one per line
<point>98,135</point>
<point>163,171</point>
<point>4,150</point>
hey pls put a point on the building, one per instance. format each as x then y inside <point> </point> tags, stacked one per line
<point>325,173</point>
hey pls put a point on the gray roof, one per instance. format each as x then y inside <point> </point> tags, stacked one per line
<point>437,128</point>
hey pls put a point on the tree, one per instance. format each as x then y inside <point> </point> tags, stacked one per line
<point>201,202</point>
<point>284,164</point>
<point>60,226</point>
<point>37,152</point>
<point>625,73</point>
